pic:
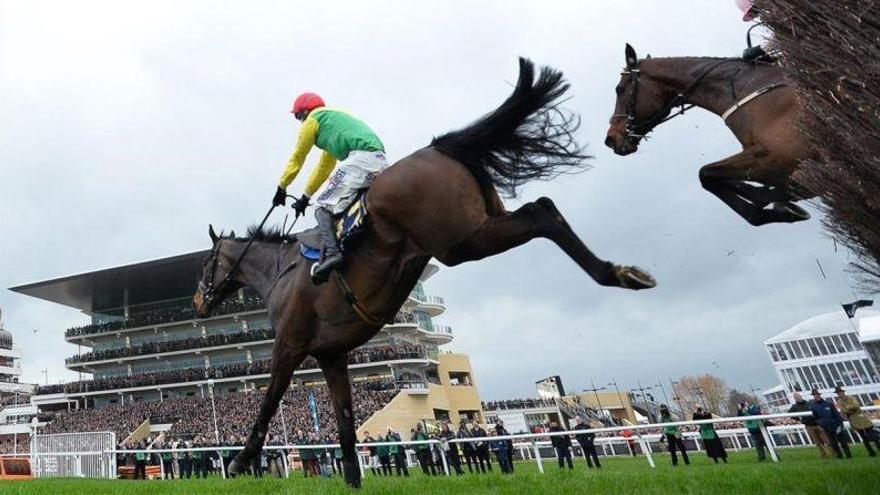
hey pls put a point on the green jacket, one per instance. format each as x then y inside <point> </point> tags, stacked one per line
<point>669,430</point>
<point>851,408</point>
<point>420,437</point>
<point>393,449</point>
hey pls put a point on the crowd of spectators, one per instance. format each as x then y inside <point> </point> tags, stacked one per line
<point>11,447</point>
<point>176,345</point>
<point>193,416</point>
<point>516,404</point>
<point>385,352</point>
<point>165,315</point>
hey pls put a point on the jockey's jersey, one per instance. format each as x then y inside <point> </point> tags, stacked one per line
<point>335,132</point>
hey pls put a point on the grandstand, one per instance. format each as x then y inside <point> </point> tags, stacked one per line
<point>150,367</point>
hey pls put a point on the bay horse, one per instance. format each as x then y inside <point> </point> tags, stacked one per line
<point>441,201</point>
<point>756,103</point>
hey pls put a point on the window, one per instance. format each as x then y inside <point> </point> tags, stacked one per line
<point>797,350</point>
<point>821,343</point>
<point>838,342</point>
<point>844,374</point>
<point>788,349</point>
<point>818,382</point>
<point>851,372</point>
<point>855,341</point>
<point>847,343</point>
<point>781,351</point>
<point>806,382</point>
<point>834,374</point>
<point>863,375</point>
<point>832,349</point>
<point>773,355</point>
<point>814,348</point>
<point>829,380</point>
<point>871,372</point>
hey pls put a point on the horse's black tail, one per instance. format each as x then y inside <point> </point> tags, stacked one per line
<point>527,137</point>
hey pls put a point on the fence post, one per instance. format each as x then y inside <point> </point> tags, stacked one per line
<point>285,460</point>
<point>222,466</point>
<point>646,449</point>
<point>769,441</point>
<point>538,457</point>
<point>360,461</point>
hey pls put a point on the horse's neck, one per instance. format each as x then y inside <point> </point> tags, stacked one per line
<point>260,266</point>
<point>676,75</point>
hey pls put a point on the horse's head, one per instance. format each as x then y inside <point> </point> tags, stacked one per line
<point>217,281</point>
<point>639,107</point>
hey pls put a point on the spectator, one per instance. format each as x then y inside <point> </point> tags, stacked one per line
<point>468,449</point>
<point>814,431</point>
<point>499,447</point>
<point>501,430</point>
<point>587,443</point>
<point>450,450</point>
<point>562,446</point>
<point>830,420</point>
<point>384,453</point>
<point>851,408</point>
<point>714,447</point>
<point>672,436</point>
<point>397,453</point>
<point>754,427</point>
<point>423,450</point>
<point>481,447</point>
<point>140,461</point>
<point>375,466</point>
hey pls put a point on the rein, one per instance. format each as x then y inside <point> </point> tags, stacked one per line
<point>209,290</point>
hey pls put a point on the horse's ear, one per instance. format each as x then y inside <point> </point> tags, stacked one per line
<point>212,234</point>
<point>232,234</point>
<point>632,61</point>
<point>648,57</point>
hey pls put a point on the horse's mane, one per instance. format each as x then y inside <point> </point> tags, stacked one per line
<point>271,234</point>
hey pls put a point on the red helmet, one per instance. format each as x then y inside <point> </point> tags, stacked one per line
<point>306,102</point>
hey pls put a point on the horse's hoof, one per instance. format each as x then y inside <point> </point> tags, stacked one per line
<point>633,277</point>
<point>796,213</point>
<point>237,466</point>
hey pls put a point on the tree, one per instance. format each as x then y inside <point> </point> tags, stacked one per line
<point>735,397</point>
<point>706,390</point>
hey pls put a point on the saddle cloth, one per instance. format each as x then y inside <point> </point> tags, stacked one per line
<point>350,225</point>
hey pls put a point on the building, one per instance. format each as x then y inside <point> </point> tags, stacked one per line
<point>15,408</point>
<point>143,344</point>
<point>823,352</point>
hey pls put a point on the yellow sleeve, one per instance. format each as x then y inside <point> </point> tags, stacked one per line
<point>304,143</point>
<point>321,172</point>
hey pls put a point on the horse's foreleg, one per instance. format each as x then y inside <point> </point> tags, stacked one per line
<point>725,179</point>
<point>542,219</point>
<point>284,362</point>
<point>336,373</point>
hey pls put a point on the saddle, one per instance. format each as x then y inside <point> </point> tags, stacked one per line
<point>351,224</point>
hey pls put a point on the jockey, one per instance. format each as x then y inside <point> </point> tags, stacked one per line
<point>750,13</point>
<point>343,138</point>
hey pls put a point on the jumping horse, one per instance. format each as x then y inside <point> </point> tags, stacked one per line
<point>442,202</point>
<point>756,103</point>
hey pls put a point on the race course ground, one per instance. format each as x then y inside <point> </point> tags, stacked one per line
<point>800,472</point>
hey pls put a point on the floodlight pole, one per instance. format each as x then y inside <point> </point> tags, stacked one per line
<point>214,410</point>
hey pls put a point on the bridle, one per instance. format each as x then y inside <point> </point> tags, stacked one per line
<point>640,130</point>
<point>210,291</point>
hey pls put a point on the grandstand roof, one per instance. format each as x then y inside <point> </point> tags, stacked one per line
<point>146,281</point>
<point>824,324</point>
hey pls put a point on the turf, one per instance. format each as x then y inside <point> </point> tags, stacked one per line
<point>801,471</point>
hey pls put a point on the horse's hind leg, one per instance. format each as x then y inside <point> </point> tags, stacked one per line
<point>284,361</point>
<point>541,219</point>
<point>336,373</point>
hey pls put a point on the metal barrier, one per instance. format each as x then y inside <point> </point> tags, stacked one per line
<point>529,444</point>
<point>76,455</point>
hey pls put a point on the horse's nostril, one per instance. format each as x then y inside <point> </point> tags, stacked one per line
<point>609,141</point>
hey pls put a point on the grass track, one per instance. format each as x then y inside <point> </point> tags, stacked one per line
<point>801,471</point>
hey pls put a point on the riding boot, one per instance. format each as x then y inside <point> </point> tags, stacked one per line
<point>332,256</point>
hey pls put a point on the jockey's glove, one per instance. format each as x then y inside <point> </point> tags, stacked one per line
<point>280,197</point>
<point>300,205</point>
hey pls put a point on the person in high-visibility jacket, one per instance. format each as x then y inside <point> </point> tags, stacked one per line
<point>342,138</point>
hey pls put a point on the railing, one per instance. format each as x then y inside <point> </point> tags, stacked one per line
<point>162,317</point>
<point>175,345</point>
<point>529,445</point>
<point>435,300</point>
<point>442,329</point>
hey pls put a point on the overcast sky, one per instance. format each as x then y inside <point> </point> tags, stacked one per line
<point>125,128</point>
